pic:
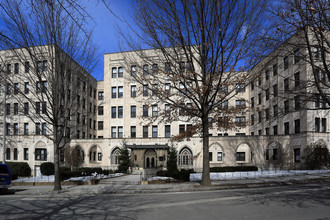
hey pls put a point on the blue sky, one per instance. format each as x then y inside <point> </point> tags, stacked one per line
<point>106,36</point>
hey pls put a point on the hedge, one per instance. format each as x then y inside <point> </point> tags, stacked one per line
<point>233,169</point>
<point>19,169</point>
<point>182,175</point>
<point>66,173</point>
<point>47,168</point>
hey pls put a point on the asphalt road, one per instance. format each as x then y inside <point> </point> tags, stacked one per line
<point>308,201</point>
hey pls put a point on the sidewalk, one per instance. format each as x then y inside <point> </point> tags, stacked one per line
<point>172,187</point>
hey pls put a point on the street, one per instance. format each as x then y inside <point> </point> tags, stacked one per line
<point>308,201</point>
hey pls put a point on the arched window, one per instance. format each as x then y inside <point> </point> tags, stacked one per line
<point>115,155</point>
<point>185,157</point>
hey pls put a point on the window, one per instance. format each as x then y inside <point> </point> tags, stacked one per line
<point>297,102</point>
<point>267,154</point>
<point>240,87</point>
<point>240,156</point>
<point>37,107</point>
<point>154,131</point>
<point>120,92</point>
<point>240,103</point>
<point>38,129</point>
<point>240,121</point>
<point>324,125</point>
<point>145,90</point>
<point>41,154</point>
<point>120,111</point>
<point>167,67</point>
<point>267,94</point>
<point>16,88</point>
<point>145,111</point>
<point>15,128</point>
<point>167,87</point>
<point>297,79</point>
<point>252,85</point>
<point>145,70</point>
<point>267,113</point>
<point>286,84</point>
<point>286,106</point>
<point>113,112</point>
<point>101,95</point>
<point>7,153</point>
<point>274,153</point>
<point>154,68</point>
<point>113,132</point>
<point>260,116</point>
<point>252,102</point>
<point>267,131</point>
<point>26,153</point>
<point>26,128</point>
<point>8,90</point>
<point>120,72</point>
<point>154,111</point>
<point>182,67</point>
<point>26,88</point>
<point>44,128</point>
<point>185,157</point>
<point>167,131</point>
<point>252,119</point>
<point>275,90</point>
<point>286,62</point>
<point>259,98</point>
<point>219,156</point>
<point>259,81</point>
<point>133,131</point>
<point>44,108</point>
<point>8,69</point>
<point>26,108</point>
<point>316,52</point>
<point>286,128</point>
<point>296,155</point>
<point>133,70</point>
<point>296,56</point>
<point>114,72</point>
<point>317,124</point>
<point>133,91</point>
<point>275,110</point>
<point>99,156</point>
<point>267,74</point>
<point>181,129</point>
<point>275,130</point>
<point>275,70</point>
<point>113,92</point>
<point>41,86</point>
<point>100,110</point>
<point>210,156</point>
<point>100,125</point>
<point>26,67</point>
<point>154,89</point>
<point>120,132</point>
<point>133,111</point>
<point>8,109</point>
<point>145,131</point>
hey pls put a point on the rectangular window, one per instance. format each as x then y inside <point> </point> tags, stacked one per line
<point>154,110</point>
<point>16,88</point>
<point>120,92</point>
<point>120,72</point>
<point>286,106</point>
<point>267,154</point>
<point>297,103</point>
<point>44,108</point>
<point>38,129</point>
<point>267,113</point>
<point>15,128</point>
<point>26,108</point>
<point>181,129</point>
<point>240,121</point>
<point>41,154</point>
<point>154,131</point>
<point>133,91</point>
<point>167,67</point>
<point>145,70</point>
<point>113,92</point>
<point>260,116</point>
<point>210,156</point>
<point>240,103</point>
<point>240,87</point>
<point>8,90</point>
<point>120,111</point>
<point>252,85</point>
<point>267,74</point>
<point>297,79</point>
<point>133,111</point>
<point>286,62</point>
<point>219,156</point>
<point>100,125</point>
<point>274,153</point>
<point>296,56</point>
<point>286,84</point>
<point>252,119</point>
<point>133,70</point>
<point>99,156</point>
<point>113,132</point>
<point>8,69</point>
<point>267,131</point>
<point>275,70</point>
<point>113,112</point>
<point>267,94</point>
<point>114,72</point>
<point>275,110</point>
<point>100,110</point>
<point>26,128</point>
<point>145,90</point>
<point>145,111</point>
<point>8,109</point>
<point>240,156</point>
<point>252,102</point>
<point>275,90</point>
<point>167,131</point>
<point>154,68</point>
<point>120,132</point>
<point>7,153</point>
<point>324,125</point>
<point>145,131</point>
<point>317,124</point>
<point>26,153</point>
<point>296,155</point>
<point>154,89</point>
<point>286,128</point>
<point>26,67</point>
<point>44,128</point>
<point>275,130</point>
<point>37,107</point>
<point>100,95</point>
<point>259,98</point>
<point>133,131</point>
<point>26,88</point>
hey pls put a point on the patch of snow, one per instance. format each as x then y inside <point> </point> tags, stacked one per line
<point>254,174</point>
<point>159,178</point>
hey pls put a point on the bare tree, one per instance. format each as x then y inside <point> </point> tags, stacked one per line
<point>51,47</point>
<point>305,25</point>
<point>206,47</point>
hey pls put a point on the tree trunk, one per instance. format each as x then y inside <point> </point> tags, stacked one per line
<point>57,181</point>
<point>206,162</point>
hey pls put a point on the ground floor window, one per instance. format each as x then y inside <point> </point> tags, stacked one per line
<point>185,157</point>
<point>297,155</point>
<point>219,156</point>
<point>114,156</point>
<point>41,154</point>
<point>240,156</point>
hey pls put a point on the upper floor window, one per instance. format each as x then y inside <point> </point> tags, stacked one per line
<point>26,88</point>
<point>145,90</point>
<point>296,56</point>
<point>133,70</point>
<point>286,62</point>
<point>41,86</point>
<point>101,95</point>
<point>286,84</point>
<point>154,68</point>
<point>167,67</point>
<point>100,110</point>
<point>267,74</point>
<point>120,92</point>
<point>120,72</point>
<point>114,72</point>
<point>41,154</point>
<point>145,70</point>
<point>275,71</point>
<point>26,67</point>
<point>16,68</point>
<point>240,87</point>
<point>113,92</point>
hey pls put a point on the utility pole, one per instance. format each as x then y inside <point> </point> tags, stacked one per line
<point>4,117</point>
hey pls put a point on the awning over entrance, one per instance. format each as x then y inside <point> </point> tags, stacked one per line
<point>154,146</point>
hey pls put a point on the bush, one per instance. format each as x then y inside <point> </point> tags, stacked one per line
<point>233,169</point>
<point>88,171</point>
<point>47,168</point>
<point>316,156</point>
<point>183,175</point>
<point>19,169</point>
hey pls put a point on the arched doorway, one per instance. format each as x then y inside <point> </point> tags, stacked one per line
<point>150,157</point>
